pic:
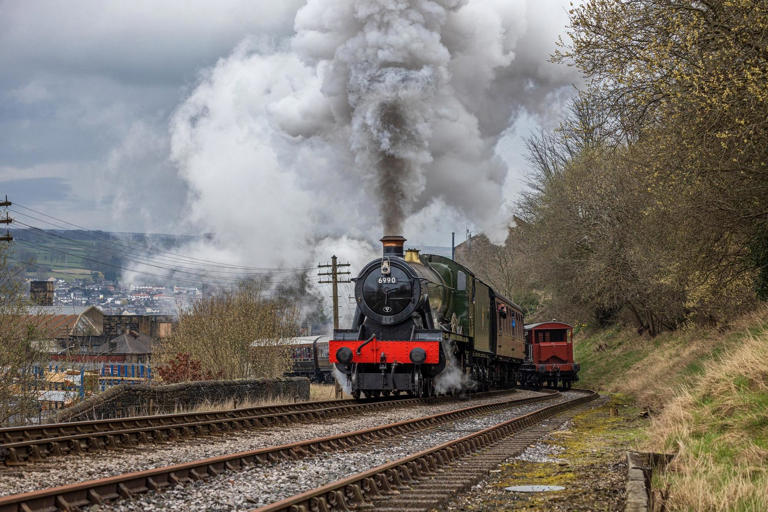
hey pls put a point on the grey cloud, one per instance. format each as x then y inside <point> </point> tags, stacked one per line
<point>87,89</point>
<point>135,42</point>
<point>38,189</point>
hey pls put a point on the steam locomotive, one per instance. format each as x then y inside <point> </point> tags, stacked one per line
<point>425,323</point>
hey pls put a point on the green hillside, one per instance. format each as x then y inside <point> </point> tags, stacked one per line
<point>706,391</point>
<point>70,254</point>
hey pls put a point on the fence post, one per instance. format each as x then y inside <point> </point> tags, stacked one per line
<point>82,382</point>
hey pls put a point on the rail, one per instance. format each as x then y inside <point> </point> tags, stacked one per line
<point>74,496</point>
<point>356,490</point>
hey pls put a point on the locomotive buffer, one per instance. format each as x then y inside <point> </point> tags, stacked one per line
<point>334,280</point>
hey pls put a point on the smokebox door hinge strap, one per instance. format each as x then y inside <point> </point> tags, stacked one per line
<point>365,343</point>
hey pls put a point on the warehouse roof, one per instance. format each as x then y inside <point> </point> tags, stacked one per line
<point>131,342</point>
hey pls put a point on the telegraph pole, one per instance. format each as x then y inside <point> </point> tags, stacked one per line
<point>7,220</point>
<point>334,281</point>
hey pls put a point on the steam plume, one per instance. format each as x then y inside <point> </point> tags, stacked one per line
<point>375,115</point>
<point>394,66</point>
<point>452,378</point>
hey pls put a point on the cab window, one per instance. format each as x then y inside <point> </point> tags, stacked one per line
<point>461,283</point>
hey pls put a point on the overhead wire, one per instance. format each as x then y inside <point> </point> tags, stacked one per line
<point>175,267</point>
<point>160,253</point>
<point>201,279</point>
<point>183,270</point>
<point>155,258</point>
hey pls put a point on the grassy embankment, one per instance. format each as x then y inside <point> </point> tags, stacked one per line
<point>707,391</point>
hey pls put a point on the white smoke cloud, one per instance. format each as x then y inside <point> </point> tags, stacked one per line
<point>374,116</point>
<point>452,378</point>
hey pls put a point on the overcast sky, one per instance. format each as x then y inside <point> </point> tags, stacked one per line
<point>88,88</point>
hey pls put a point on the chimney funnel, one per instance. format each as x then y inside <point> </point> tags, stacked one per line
<point>393,245</point>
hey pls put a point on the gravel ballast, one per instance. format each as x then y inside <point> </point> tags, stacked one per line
<point>264,484</point>
<point>67,470</point>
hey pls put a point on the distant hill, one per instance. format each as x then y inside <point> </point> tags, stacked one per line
<point>78,253</point>
<point>71,254</point>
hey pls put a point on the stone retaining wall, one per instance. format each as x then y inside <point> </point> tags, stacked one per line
<point>640,468</point>
<point>140,399</point>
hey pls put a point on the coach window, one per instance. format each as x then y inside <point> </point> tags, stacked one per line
<point>559,335</point>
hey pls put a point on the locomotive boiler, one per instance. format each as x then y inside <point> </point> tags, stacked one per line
<point>423,320</point>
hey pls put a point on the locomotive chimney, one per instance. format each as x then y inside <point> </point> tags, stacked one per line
<point>393,245</point>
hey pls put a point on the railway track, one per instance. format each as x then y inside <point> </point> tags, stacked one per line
<point>130,485</point>
<point>425,480</point>
<point>21,445</point>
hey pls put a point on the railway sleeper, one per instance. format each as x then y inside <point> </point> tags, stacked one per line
<point>34,454</point>
<point>107,440</point>
<point>195,475</point>
<point>154,485</point>
<point>178,480</point>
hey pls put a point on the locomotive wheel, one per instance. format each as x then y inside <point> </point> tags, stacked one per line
<point>356,394</point>
<point>418,384</point>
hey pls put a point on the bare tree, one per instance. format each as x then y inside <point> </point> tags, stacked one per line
<point>217,335</point>
<point>20,330</point>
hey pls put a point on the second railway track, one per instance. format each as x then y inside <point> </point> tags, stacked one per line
<point>34,443</point>
<point>134,484</point>
<point>425,480</point>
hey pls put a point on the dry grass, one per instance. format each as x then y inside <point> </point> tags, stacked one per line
<point>709,389</point>
<point>227,405</point>
<point>651,383</point>
<point>719,429</point>
<point>319,392</point>
<point>654,370</point>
